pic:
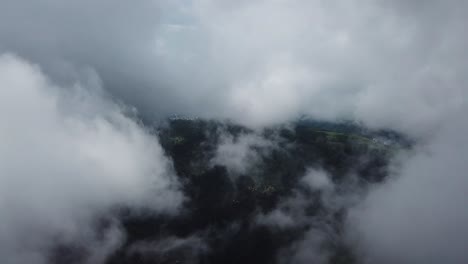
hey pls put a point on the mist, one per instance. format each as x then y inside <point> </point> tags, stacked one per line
<point>82,80</point>
<point>256,62</point>
<point>68,157</point>
<point>418,216</point>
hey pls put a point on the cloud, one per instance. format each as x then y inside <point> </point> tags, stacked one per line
<point>419,215</point>
<point>393,64</point>
<point>317,180</point>
<point>313,209</point>
<point>311,249</point>
<point>67,156</point>
<point>275,60</point>
<point>388,64</point>
<point>242,153</point>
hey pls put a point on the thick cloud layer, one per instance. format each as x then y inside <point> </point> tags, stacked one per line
<point>370,60</point>
<point>258,62</point>
<point>67,157</point>
<point>420,216</point>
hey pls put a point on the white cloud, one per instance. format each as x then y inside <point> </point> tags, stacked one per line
<point>317,180</point>
<point>67,156</point>
<point>389,64</point>
<point>419,216</point>
<point>240,154</point>
<point>385,63</point>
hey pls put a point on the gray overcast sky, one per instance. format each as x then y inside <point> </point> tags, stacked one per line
<point>257,62</point>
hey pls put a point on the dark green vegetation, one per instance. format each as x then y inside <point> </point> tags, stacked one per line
<point>219,221</point>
